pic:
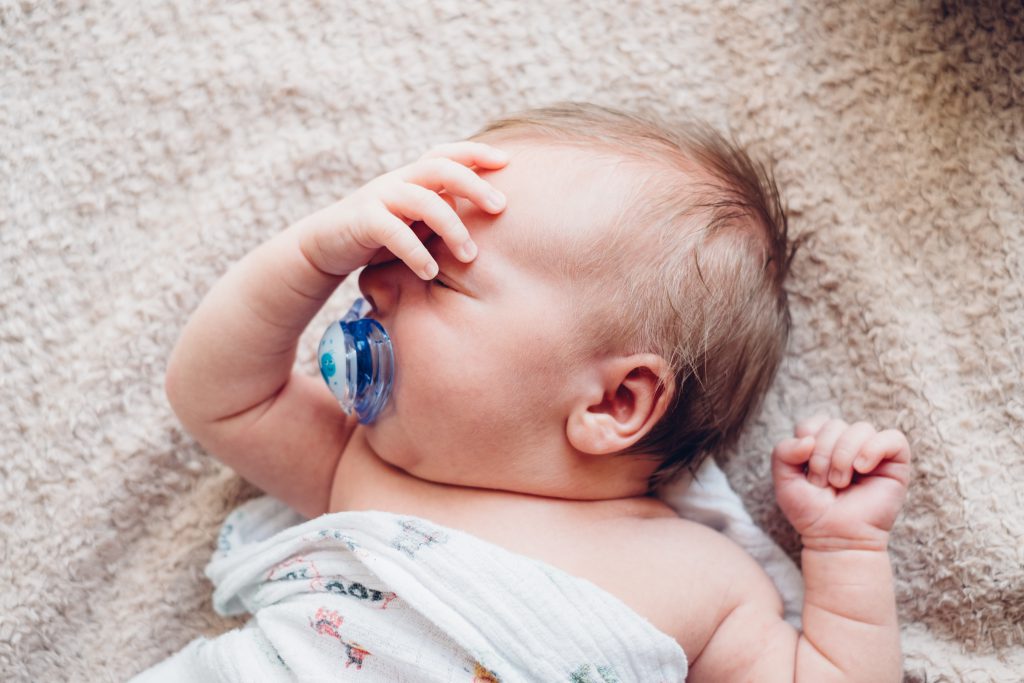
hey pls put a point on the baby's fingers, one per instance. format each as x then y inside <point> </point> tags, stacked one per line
<point>788,459</point>
<point>810,426</point>
<point>794,452</point>
<point>398,238</point>
<point>824,444</point>
<point>890,445</point>
<point>446,174</point>
<point>469,153</point>
<point>847,447</point>
<point>420,204</point>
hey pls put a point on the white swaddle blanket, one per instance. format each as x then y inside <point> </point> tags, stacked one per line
<point>377,596</point>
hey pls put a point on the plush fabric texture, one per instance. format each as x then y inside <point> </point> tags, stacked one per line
<point>144,147</point>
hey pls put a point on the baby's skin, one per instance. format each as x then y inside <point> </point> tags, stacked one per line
<point>451,276</point>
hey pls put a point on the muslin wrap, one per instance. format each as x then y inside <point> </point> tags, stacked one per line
<point>377,596</point>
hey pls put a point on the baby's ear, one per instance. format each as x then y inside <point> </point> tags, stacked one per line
<point>620,404</point>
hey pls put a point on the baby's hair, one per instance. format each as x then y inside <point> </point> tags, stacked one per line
<point>698,216</point>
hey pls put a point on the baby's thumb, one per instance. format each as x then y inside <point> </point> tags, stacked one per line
<point>789,458</point>
<point>794,452</point>
<point>810,426</point>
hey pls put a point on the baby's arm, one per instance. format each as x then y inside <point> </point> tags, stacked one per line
<point>850,628</point>
<point>230,378</point>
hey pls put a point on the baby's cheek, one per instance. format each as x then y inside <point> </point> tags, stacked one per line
<point>431,377</point>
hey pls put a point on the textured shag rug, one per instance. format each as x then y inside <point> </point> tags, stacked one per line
<point>144,147</point>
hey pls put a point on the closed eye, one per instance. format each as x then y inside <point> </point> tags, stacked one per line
<point>438,282</point>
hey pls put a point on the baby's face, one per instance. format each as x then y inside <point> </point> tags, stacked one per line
<point>483,353</point>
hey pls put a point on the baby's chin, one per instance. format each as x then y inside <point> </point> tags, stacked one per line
<point>382,436</point>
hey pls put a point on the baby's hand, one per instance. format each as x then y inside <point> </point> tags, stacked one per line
<point>373,224</point>
<point>841,486</point>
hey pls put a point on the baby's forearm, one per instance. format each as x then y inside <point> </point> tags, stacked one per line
<point>850,628</point>
<point>239,346</point>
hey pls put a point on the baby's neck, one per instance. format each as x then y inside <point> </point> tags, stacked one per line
<point>364,481</point>
<point>577,478</point>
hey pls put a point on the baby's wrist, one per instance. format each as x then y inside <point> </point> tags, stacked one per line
<point>877,541</point>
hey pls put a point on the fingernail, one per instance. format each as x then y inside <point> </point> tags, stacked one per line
<point>430,270</point>
<point>469,249</point>
<point>495,199</point>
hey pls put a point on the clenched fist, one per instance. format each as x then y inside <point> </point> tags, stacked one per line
<point>841,486</point>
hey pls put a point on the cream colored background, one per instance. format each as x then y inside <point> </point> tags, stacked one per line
<point>144,149</point>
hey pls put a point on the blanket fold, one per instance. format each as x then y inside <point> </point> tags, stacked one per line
<point>378,596</point>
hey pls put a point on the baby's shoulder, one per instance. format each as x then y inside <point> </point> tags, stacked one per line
<point>684,577</point>
<point>690,556</point>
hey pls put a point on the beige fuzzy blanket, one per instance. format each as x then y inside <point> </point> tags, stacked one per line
<point>144,147</point>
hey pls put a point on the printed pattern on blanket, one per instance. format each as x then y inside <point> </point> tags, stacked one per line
<point>378,596</point>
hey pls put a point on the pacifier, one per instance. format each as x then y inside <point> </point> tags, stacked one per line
<point>357,362</point>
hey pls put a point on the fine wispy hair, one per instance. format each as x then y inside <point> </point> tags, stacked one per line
<point>698,257</point>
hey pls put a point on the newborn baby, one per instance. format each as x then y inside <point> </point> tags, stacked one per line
<point>583,304</point>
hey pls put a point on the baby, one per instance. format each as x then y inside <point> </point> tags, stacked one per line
<point>583,304</point>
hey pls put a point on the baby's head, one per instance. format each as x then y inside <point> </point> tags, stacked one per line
<point>624,318</point>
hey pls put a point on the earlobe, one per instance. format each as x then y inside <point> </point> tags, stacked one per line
<point>587,432</point>
<point>624,403</point>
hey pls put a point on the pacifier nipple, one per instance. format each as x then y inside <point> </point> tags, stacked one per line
<point>357,362</point>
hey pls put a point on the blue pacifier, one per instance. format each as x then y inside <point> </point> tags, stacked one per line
<point>357,362</point>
